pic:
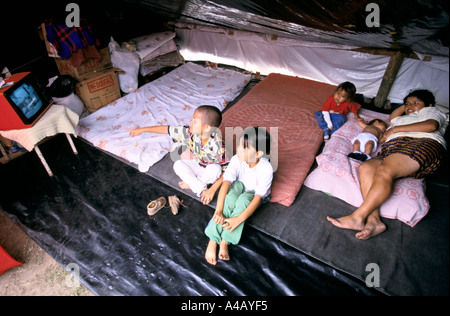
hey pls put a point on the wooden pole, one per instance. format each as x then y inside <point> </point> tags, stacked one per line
<point>388,79</point>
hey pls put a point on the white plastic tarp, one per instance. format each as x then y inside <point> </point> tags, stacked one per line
<point>322,62</point>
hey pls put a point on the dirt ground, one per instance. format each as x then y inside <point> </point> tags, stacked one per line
<point>40,275</point>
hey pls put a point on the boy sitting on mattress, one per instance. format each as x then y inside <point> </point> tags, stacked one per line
<point>206,146</point>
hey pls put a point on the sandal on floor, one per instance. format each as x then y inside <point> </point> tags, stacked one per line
<point>154,206</point>
<point>175,203</point>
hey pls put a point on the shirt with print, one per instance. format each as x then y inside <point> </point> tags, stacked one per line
<point>210,153</point>
<point>344,108</point>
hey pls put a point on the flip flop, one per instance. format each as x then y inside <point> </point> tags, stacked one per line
<point>154,206</point>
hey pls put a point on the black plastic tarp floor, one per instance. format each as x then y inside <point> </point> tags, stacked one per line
<point>92,212</point>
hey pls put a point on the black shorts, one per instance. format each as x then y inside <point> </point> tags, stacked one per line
<point>428,152</point>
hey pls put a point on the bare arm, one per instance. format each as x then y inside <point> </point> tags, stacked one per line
<point>234,222</point>
<point>357,117</point>
<point>208,194</point>
<point>218,217</point>
<point>397,112</point>
<point>363,124</point>
<point>163,129</point>
<point>424,127</point>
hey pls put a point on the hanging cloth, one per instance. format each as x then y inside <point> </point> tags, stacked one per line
<point>68,40</point>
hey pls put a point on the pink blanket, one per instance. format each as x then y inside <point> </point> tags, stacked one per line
<point>285,106</point>
<point>338,175</point>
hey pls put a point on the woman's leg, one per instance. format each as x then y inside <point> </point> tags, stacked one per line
<point>373,225</point>
<point>377,181</point>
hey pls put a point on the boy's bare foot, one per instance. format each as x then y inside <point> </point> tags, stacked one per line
<point>372,228</point>
<point>223,251</point>
<point>184,185</point>
<point>347,222</point>
<point>210,254</point>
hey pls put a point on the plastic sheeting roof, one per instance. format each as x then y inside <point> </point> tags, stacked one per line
<point>417,25</point>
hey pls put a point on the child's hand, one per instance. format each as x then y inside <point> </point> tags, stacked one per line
<point>231,224</point>
<point>207,196</point>
<point>218,218</point>
<point>133,132</point>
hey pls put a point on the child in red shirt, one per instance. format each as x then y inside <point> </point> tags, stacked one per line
<point>333,113</point>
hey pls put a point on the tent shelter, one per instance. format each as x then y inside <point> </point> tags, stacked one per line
<point>385,48</point>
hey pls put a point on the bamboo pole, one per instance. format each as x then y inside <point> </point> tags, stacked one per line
<point>388,79</point>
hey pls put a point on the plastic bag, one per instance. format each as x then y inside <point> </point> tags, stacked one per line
<point>128,62</point>
<point>61,89</point>
<point>72,101</point>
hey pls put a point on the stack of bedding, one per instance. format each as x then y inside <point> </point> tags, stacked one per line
<point>157,51</point>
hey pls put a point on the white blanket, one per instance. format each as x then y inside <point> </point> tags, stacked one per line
<point>169,100</point>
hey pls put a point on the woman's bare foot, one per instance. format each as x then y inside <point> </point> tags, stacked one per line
<point>348,222</point>
<point>184,185</point>
<point>223,251</point>
<point>372,228</point>
<point>210,254</point>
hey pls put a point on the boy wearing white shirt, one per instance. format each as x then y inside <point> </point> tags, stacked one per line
<point>246,184</point>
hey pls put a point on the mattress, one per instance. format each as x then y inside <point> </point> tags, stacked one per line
<point>285,106</point>
<point>169,100</point>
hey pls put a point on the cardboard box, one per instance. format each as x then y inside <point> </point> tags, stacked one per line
<point>65,67</point>
<point>98,89</point>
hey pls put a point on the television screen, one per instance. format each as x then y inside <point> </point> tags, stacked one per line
<point>23,101</point>
<point>27,100</point>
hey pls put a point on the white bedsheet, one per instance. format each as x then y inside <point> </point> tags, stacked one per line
<point>169,100</point>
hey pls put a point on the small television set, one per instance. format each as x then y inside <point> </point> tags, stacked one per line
<point>22,101</point>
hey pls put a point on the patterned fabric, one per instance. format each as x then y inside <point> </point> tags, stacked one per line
<point>285,106</point>
<point>170,100</point>
<point>338,175</point>
<point>212,152</point>
<point>68,40</point>
<point>426,151</point>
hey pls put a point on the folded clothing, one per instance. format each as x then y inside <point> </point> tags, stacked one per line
<point>164,49</point>
<point>149,43</point>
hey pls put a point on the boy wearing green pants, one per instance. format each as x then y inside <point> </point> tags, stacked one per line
<point>246,184</point>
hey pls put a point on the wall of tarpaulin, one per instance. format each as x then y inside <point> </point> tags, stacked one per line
<point>323,62</point>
